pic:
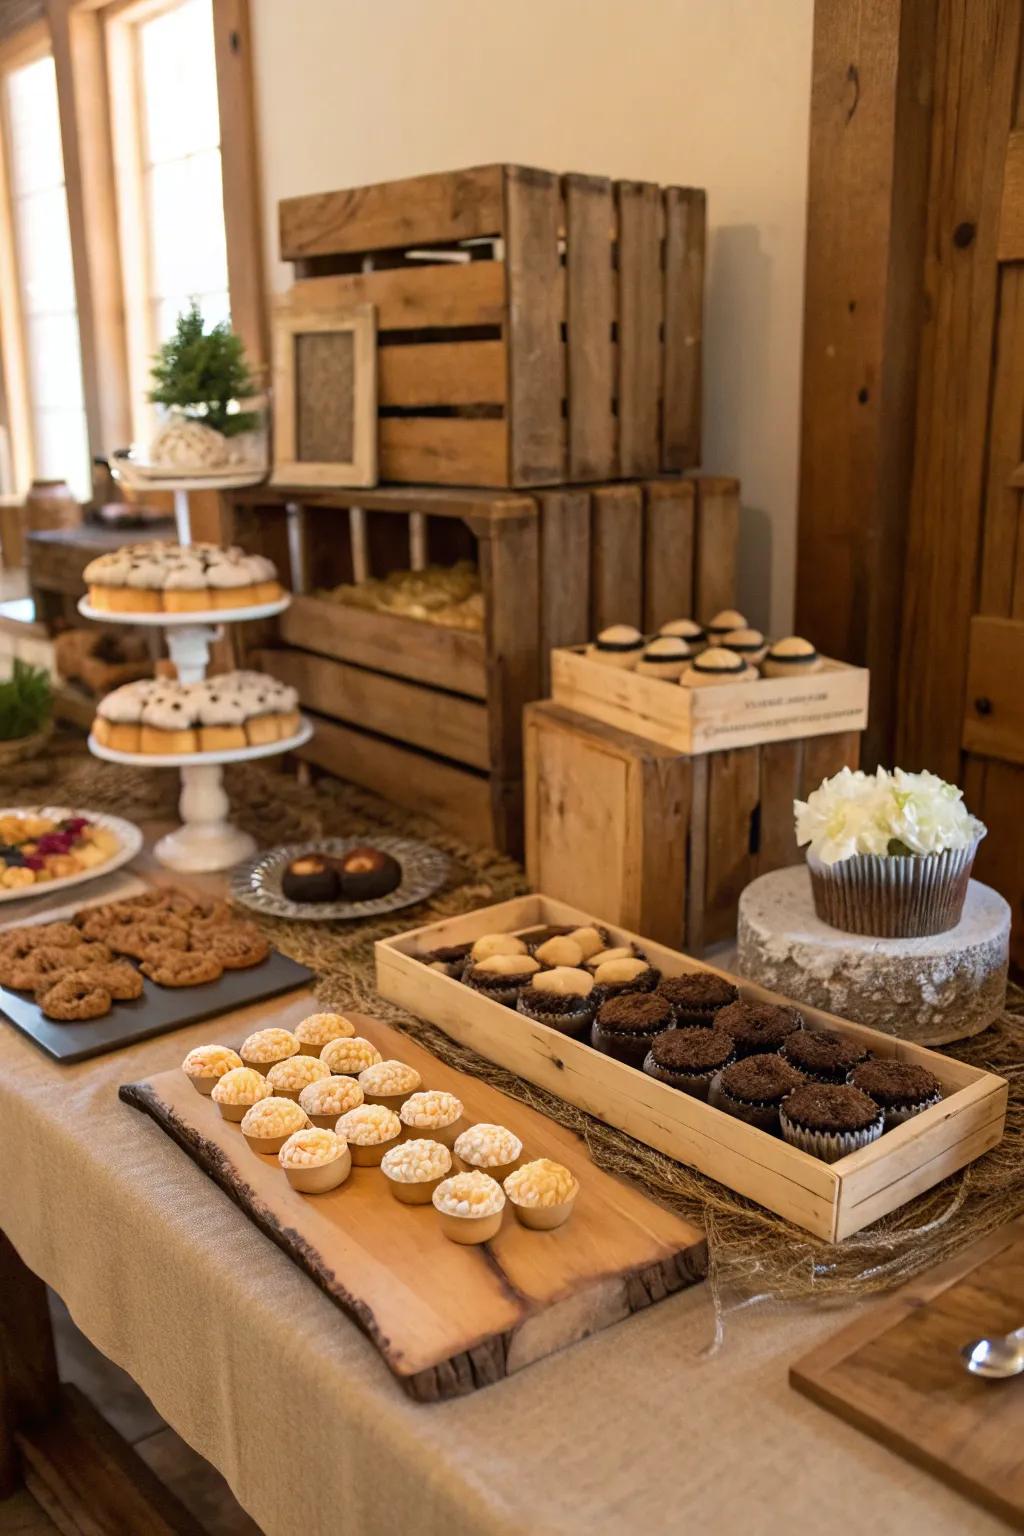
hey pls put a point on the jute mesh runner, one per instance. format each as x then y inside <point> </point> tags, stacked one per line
<point>754,1254</point>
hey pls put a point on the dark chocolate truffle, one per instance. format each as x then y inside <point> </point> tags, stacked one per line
<point>823,1054</point>
<point>757,1027</point>
<point>368,873</point>
<point>311,877</point>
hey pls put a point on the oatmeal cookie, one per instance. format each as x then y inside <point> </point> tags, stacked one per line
<point>75,998</point>
<point>142,939</point>
<point>236,945</point>
<point>57,935</point>
<point>173,968</point>
<point>27,975</point>
<point>120,979</point>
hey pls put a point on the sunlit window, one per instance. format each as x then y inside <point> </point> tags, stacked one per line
<point>45,278</point>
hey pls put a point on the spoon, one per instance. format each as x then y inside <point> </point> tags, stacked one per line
<point>995,1358</point>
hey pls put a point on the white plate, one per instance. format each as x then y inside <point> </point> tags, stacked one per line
<point>180,620</point>
<point>136,474</point>
<point>202,759</point>
<point>127,833</point>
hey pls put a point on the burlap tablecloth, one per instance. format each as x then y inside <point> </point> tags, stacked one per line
<point>631,1431</point>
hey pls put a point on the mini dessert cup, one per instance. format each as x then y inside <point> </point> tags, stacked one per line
<point>823,1055</point>
<point>753,1089</point>
<point>350,1055</point>
<point>434,1115</point>
<point>542,1194</point>
<point>289,1077</point>
<point>389,1084</point>
<point>758,1028</point>
<point>370,1131</point>
<point>696,996</point>
<point>326,1100</point>
<point>470,1207</point>
<point>206,1065</point>
<point>268,1124</point>
<point>893,896</point>
<point>414,1169</point>
<point>564,998</point>
<point>626,1026</point>
<point>500,977</point>
<point>488,1149</point>
<point>901,1088</point>
<point>238,1090</point>
<point>267,1047</point>
<point>315,1161</point>
<point>830,1120</point>
<point>688,1059</point>
<point>544,1218</point>
<point>419,1193</point>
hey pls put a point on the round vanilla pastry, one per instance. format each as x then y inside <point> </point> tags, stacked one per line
<point>542,1183</point>
<point>561,950</point>
<point>497,944</point>
<point>369,1125</point>
<point>213,706</point>
<point>210,1061</point>
<point>469,1194</point>
<point>184,576</point>
<point>270,1045</point>
<point>147,574</point>
<point>618,952</point>
<point>507,965</point>
<point>169,710</point>
<point>124,705</point>
<point>620,645</point>
<point>109,570</point>
<point>488,1146</point>
<point>319,1028</point>
<point>311,1148</point>
<point>689,630</point>
<point>349,1054</point>
<point>273,1117</point>
<point>241,1085</point>
<point>587,940</point>
<point>387,1078</point>
<point>617,971</point>
<point>665,657</point>
<point>416,1161</point>
<point>748,643</point>
<point>226,575</point>
<point>297,1072</point>
<point>729,618</point>
<point>563,981</point>
<point>715,666</point>
<point>791,657</point>
<point>185,444</point>
<point>331,1096</point>
<point>431,1110</point>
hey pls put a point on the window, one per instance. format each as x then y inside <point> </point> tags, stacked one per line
<point>47,372</point>
<point>163,80</point>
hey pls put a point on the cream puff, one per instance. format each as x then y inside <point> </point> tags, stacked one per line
<point>791,657</point>
<point>620,645</point>
<point>716,666</point>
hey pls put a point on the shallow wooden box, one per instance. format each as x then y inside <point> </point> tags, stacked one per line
<point>533,329</point>
<point>831,1200</point>
<point>696,720</point>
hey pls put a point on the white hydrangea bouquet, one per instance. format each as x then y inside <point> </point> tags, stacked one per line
<point>889,853</point>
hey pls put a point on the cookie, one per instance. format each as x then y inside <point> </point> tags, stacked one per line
<point>237,945</point>
<point>120,979</point>
<point>27,975</point>
<point>76,998</point>
<point>173,968</point>
<point>142,939</point>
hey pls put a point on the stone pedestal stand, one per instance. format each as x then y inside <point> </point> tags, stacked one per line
<point>931,990</point>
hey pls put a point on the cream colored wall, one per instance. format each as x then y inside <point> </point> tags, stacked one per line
<point>712,93</point>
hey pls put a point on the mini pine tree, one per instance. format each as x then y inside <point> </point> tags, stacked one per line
<point>26,701</point>
<point>201,374</point>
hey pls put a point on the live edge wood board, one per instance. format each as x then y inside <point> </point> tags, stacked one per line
<point>832,1200</point>
<point>446,1319</point>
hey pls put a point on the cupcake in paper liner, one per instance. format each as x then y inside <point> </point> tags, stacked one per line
<point>902,1089</point>
<point>753,1089</point>
<point>563,997</point>
<point>830,1120</point>
<point>889,854</point>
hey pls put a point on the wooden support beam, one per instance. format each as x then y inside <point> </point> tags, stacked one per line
<point>232,38</point>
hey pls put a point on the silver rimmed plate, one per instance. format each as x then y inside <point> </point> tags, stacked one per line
<point>257,882</point>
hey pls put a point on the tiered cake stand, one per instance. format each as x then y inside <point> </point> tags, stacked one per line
<point>206,839</point>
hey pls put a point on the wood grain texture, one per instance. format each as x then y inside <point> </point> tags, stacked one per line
<point>734,788</point>
<point>325,396</point>
<point>616,557</point>
<point>480,1313</point>
<point>447,450</point>
<point>28,1365</point>
<point>536,304</point>
<point>871,100</point>
<point>450,205</point>
<point>895,1373</point>
<point>1001,588</point>
<point>414,298</point>
<point>994,791</point>
<point>510,572</point>
<point>683,349</point>
<point>564,574</point>
<point>669,541</point>
<point>979,52</point>
<point>454,373</point>
<point>640,315</point>
<point>993,722</point>
<point>1011,211</point>
<point>589,311</point>
<point>389,643</point>
<point>717,545</point>
<point>243,222</point>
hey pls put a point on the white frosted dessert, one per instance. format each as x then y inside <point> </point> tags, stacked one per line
<point>469,1194</point>
<point>350,1054</point>
<point>205,1065</point>
<point>615,972</point>
<point>388,1079</point>
<point>272,1117</point>
<point>430,1110</point>
<point>369,1125</point>
<point>563,981</point>
<point>488,1146</point>
<point>416,1162</point>
<point>290,1076</point>
<point>311,1148</point>
<point>330,1097</point>
<point>615,952</point>
<point>267,1046</point>
<point>496,944</point>
<point>238,1089</point>
<point>541,1183</point>
<point>561,950</point>
<point>319,1028</point>
<point>218,714</point>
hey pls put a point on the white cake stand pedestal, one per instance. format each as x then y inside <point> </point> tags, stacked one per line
<point>206,839</point>
<point>189,635</point>
<point>138,476</point>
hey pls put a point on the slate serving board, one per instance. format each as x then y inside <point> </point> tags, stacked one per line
<point>157,1011</point>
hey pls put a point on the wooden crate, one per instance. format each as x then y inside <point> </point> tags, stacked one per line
<point>653,838</point>
<point>533,329</point>
<point>697,720</point>
<point>831,1200</point>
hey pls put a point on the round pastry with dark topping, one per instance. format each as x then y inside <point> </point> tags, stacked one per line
<point>368,873</point>
<point>625,1026</point>
<point>689,1058</point>
<point>500,977</point>
<point>830,1120</point>
<point>614,977</point>
<point>697,996</point>
<point>563,997</point>
<point>822,1054</point>
<point>714,666</point>
<point>902,1088</point>
<point>791,657</point>
<point>620,645</point>
<point>754,1088</point>
<point>449,959</point>
<point>758,1027</point>
<point>311,877</point>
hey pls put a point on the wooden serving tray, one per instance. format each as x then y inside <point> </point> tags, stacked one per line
<point>831,1200</point>
<point>446,1319</point>
<point>696,720</point>
<point>896,1373</point>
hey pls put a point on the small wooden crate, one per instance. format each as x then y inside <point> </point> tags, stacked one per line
<point>831,1200</point>
<point>533,329</point>
<point>697,720</point>
<point>652,838</point>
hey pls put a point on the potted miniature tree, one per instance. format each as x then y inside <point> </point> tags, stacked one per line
<point>203,382</point>
<point>26,710</point>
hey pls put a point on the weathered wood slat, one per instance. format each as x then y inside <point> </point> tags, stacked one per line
<point>669,538</point>
<point>717,545</point>
<point>685,238</point>
<point>733,798</point>
<point>442,373</point>
<point>1001,588</point>
<point>533,218</point>
<point>414,298</point>
<point>388,643</point>
<point>616,557</point>
<point>589,220</point>
<point>510,570</point>
<point>452,450</point>
<point>1011,217</point>
<point>994,700</point>
<point>456,205</point>
<point>640,218</point>
<point>564,574</point>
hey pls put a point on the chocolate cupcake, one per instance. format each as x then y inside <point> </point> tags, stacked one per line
<point>450,958</point>
<point>754,1088</point>
<point>562,997</point>
<point>758,1027</point>
<point>626,1025</point>
<point>500,977</point>
<point>901,1088</point>
<point>615,977</point>
<point>531,937</point>
<point>828,1120</point>
<point>823,1055</point>
<point>614,952</point>
<point>689,1058</point>
<point>697,996</point>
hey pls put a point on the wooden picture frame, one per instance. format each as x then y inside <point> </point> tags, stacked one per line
<point>335,445</point>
